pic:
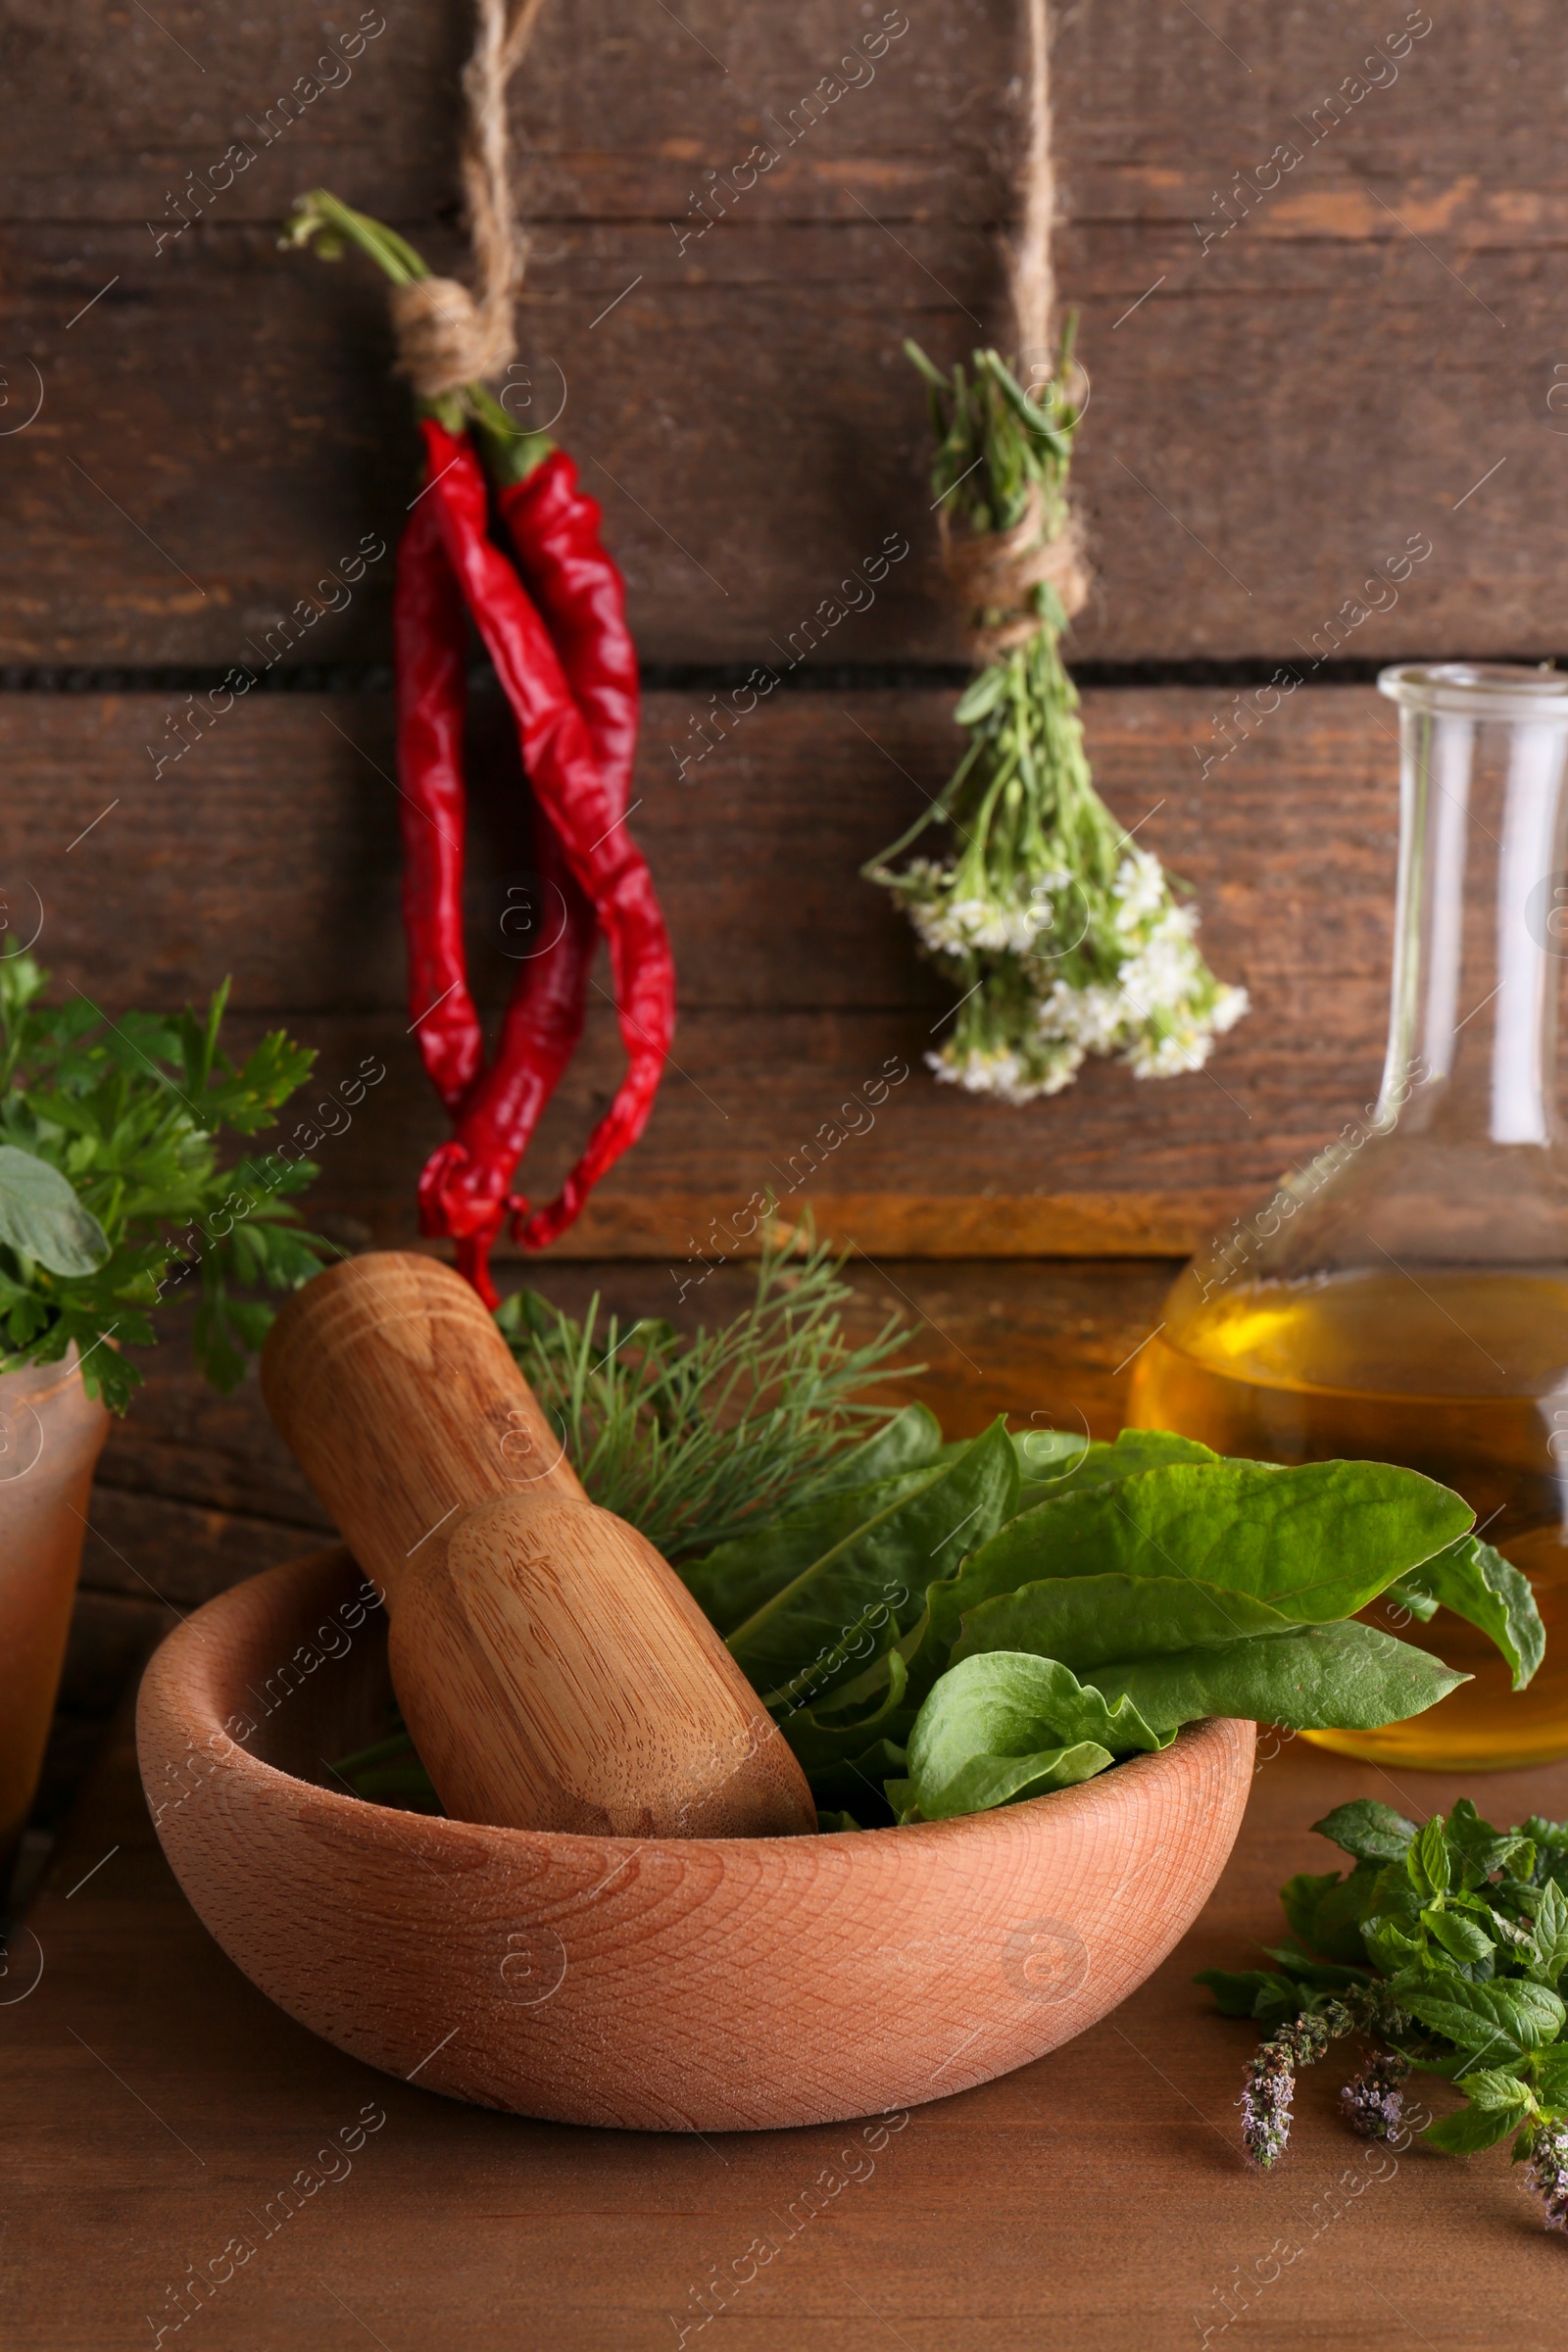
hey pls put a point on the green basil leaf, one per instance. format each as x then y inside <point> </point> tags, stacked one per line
<point>1371,1832</point>
<point>1300,1898</point>
<point>732,1582</point>
<point>1004,1725</point>
<point>1316,1543</point>
<point>1499,2093</point>
<point>41,1216</point>
<point>1550,1934</point>
<point>1502,2019</point>
<point>1479,1585</point>
<point>1087,1620</point>
<point>1470,2130</point>
<point>874,1577</point>
<point>1317,1678</point>
<point>1428,1859</point>
<point>1407,1592</point>
<point>911,1441</point>
<point>1459,1937</point>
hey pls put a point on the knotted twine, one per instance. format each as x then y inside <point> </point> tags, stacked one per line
<point>446,335</point>
<point>994,573</point>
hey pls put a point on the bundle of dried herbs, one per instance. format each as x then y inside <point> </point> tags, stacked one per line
<point>1059,935</point>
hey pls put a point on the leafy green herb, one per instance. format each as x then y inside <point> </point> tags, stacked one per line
<point>1003,1727</point>
<point>1316,1543</point>
<point>694,1440</point>
<point>1447,1945</point>
<point>802,1638</point>
<point>1479,1585</point>
<point>1054,1465</point>
<point>41,1217</point>
<point>935,1630</point>
<point>111,1192</point>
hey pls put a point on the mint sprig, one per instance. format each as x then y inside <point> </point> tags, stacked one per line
<point>1446,1944</point>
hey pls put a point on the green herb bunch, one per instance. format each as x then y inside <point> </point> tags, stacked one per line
<point>1446,1945</point>
<point>111,1192</point>
<point>1057,933</point>
<point>939,1629</point>
<point>696,1439</point>
<point>956,1627</point>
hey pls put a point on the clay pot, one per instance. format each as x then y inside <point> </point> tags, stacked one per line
<point>51,1434</point>
<point>672,1984</point>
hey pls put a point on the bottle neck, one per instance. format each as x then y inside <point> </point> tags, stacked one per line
<point>1480,930</point>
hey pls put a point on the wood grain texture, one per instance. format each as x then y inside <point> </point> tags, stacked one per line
<point>1102,2185</point>
<point>196,1490</point>
<point>234,403</point>
<point>705,1984</point>
<point>271,851</point>
<point>400,1401</point>
<point>551,1667</point>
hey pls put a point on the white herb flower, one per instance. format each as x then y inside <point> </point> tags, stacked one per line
<point>1141,888</point>
<point>1092,1018</point>
<point>1006,1075</point>
<point>1165,975</point>
<point>1060,932</point>
<point>1154,1055</point>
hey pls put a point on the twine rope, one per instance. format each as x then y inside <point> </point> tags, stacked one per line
<point>445,334</point>
<point>995,575</point>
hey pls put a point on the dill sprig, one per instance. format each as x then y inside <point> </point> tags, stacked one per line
<point>696,1439</point>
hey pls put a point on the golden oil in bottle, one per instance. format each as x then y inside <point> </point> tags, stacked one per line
<point>1461,1373</point>
<point>1403,1298</point>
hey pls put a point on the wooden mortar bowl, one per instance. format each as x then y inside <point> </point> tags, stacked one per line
<point>670,1985</point>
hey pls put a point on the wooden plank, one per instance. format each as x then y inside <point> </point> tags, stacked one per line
<point>234,404</point>
<point>112,1634</point>
<point>205,1483</point>
<point>758,1099</point>
<point>143,1547</point>
<point>271,851</point>
<point>457,2224</point>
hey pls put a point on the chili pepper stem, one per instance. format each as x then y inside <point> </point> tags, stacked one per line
<point>509,455</point>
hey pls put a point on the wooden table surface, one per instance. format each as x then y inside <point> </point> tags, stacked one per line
<point>153,2105</point>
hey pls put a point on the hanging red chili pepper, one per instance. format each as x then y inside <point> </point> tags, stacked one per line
<point>567,782</point>
<point>429,633</point>
<point>569,669</point>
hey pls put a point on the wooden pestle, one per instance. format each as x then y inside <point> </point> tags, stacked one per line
<point>553,1669</point>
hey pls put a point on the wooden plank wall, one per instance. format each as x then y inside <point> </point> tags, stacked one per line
<point>1320,262</point>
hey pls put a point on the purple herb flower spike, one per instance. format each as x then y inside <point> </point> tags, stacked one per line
<point>1549,2173</point>
<point>1373,2103</point>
